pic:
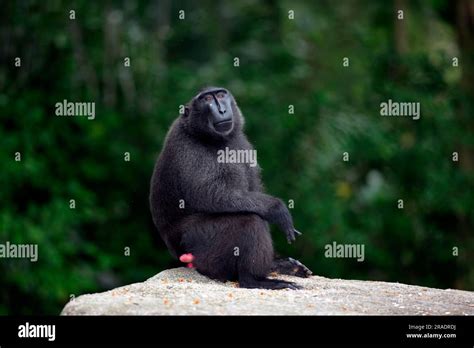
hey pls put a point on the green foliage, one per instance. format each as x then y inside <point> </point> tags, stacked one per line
<point>282,62</point>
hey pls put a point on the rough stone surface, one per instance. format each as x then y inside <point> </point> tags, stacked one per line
<point>183,291</point>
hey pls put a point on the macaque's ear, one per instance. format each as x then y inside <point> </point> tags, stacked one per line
<point>186,111</point>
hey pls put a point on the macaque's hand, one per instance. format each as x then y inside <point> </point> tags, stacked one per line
<point>281,216</point>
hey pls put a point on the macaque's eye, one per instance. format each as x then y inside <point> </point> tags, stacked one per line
<point>220,95</point>
<point>208,98</point>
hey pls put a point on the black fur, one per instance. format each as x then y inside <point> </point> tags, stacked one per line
<point>224,204</point>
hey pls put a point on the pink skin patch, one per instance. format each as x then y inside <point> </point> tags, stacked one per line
<point>187,258</point>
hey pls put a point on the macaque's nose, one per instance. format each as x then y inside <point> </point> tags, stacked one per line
<point>221,108</point>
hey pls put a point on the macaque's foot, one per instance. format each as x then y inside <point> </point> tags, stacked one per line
<point>265,283</point>
<point>292,267</point>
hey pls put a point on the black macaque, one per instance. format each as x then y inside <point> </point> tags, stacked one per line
<point>217,211</point>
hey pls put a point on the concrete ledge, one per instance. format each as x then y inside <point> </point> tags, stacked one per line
<point>183,291</point>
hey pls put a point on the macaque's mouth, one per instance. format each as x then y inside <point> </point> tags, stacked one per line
<point>223,126</point>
